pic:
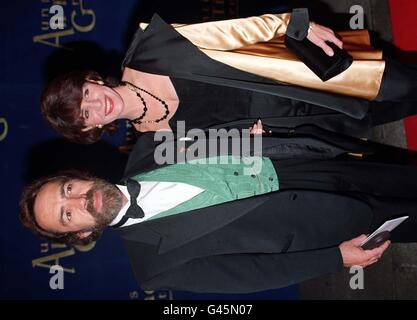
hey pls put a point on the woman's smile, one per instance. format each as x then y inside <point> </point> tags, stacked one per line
<point>108,105</point>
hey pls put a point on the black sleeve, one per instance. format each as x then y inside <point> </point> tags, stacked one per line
<point>299,23</point>
<point>244,273</point>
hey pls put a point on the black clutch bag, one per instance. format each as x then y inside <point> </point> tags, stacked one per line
<point>324,66</point>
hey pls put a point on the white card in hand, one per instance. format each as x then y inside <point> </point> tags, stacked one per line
<point>386,226</point>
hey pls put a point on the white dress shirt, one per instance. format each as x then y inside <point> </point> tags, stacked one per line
<point>156,197</point>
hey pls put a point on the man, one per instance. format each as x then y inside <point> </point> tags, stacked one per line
<point>210,227</point>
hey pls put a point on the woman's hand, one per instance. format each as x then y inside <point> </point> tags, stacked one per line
<point>318,35</point>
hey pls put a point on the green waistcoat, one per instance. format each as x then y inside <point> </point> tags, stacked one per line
<point>223,179</point>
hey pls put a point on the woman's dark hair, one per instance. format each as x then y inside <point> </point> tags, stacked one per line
<point>27,214</point>
<point>60,106</point>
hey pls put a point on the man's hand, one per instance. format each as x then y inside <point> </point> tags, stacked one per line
<point>257,128</point>
<point>354,255</point>
<point>319,35</point>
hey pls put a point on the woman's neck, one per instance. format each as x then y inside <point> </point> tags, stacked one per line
<point>156,90</point>
<point>132,106</point>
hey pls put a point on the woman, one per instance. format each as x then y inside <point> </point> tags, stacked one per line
<point>220,72</point>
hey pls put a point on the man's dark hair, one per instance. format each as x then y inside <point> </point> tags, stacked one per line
<point>60,106</point>
<point>27,214</point>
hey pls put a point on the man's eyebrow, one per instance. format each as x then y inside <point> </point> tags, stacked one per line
<point>62,189</point>
<point>62,192</point>
<point>61,217</point>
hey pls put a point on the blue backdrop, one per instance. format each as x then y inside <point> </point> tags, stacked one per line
<point>95,34</point>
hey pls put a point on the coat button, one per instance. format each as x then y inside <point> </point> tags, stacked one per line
<point>236,173</point>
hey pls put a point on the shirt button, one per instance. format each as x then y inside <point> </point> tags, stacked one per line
<point>271,179</point>
<point>236,173</point>
<point>253,176</point>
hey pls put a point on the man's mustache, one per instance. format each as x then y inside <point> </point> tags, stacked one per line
<point>89,198</point>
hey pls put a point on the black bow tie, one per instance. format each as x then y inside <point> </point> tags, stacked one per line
<point>134,211</point>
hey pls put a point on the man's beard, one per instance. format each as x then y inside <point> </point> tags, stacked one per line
<point>112,200</point>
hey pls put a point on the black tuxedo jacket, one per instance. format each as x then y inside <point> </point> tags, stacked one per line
<point>247,245</point>
<point>160,49</point>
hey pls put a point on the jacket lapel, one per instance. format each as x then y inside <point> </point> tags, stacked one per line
<point>171,232</point>
<point>139,233</point>
<point>141,157</point>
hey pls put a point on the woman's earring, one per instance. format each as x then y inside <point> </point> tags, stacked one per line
<point>99,82</point>
<point>99,126</point>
